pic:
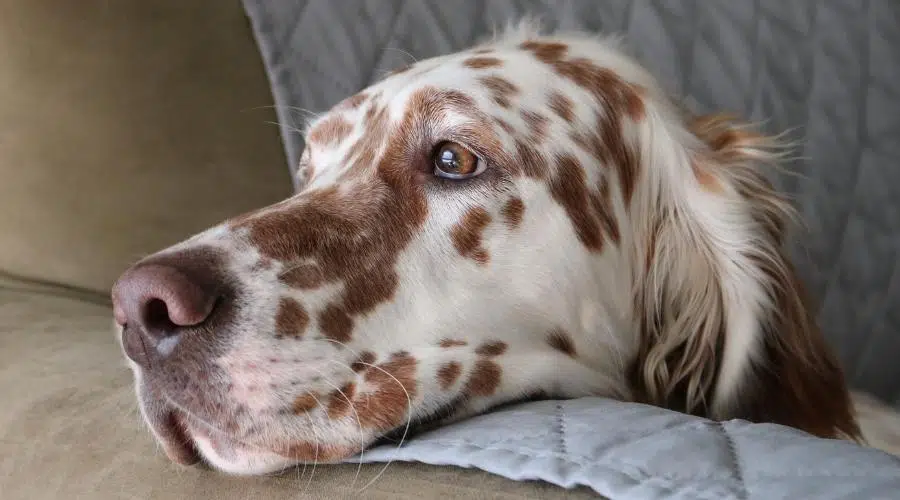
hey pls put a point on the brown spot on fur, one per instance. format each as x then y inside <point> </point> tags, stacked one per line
<point>395,385</point>
<point>607,144</point>
<point>305,402</point>
<point>547,52</point>
<point>722,133</point>
<point>532,162</point>
<point>706,178</point>
<point>569,189</point>
<point>562,106</point>
<point>602,205</point>
<point>355,235</point>
<point>537,124</point>
<point>340,401</point>
<point>452,343</point>
<point>616,98</point>
<point>513,211</point>
<point>359,294</point>
<point>352,102</point>
<point>562,342</point>
<point>482,62</point>
<point>633,95</point>
<point>484,379</point>
<point>501,89</point>
<point>363,362</point>
<point>375,116</point>
<point>335,323</point>
<point>303,276</point>
<point>491,349</point>
<point>727,142</point>
<point>330,131</point>
<point>466,235</point>
<point>291,319</point>
<point>604,84</point>
<point>505,125</point>
<point>448,373</point>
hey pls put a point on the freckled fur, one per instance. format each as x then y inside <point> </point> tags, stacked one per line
<point>467,235</point>
<point>482,62</point>
<point>614,247</point>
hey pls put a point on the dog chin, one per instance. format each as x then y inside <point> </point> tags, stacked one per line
<point>234,458</point>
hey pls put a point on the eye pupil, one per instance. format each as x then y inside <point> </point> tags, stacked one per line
<point>449,160</point>
<point>455,161</point>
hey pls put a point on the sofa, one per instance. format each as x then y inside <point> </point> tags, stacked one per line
<point>127,126</point>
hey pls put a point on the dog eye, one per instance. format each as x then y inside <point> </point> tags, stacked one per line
<point>454,161</point>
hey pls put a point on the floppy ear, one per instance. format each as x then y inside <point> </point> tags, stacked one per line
<point>725,330</point>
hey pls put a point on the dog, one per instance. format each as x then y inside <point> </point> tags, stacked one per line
<point>533,217</point>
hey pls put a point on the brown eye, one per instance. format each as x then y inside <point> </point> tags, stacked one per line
<point>454,161</point>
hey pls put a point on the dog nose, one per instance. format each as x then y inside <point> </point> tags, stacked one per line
<point>157,301</point>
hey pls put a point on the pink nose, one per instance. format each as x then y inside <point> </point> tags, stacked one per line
<point>155,301</point>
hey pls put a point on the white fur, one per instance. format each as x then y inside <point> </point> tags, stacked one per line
<point>540,277</point>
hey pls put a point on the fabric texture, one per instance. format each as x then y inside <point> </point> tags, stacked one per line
<point>826,72</point>
<point>634,451</point>
<point>125,127</point>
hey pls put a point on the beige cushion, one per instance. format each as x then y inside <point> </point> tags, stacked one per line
<point>125,126</point>
<point>69,428</point>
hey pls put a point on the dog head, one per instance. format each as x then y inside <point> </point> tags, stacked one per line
<point>531,216</point>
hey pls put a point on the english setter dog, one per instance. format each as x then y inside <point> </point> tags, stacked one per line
<point>532,217</point>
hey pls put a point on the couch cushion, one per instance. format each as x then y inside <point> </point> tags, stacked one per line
<point>70,428</point>
<point>126,126</point>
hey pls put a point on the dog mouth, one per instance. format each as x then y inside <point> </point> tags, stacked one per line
<point>171,430</point>
<point>188,440</point>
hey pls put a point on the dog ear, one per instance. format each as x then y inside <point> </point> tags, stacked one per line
<point>725,330</point>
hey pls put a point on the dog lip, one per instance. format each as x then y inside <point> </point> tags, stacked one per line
<point>173,435</point>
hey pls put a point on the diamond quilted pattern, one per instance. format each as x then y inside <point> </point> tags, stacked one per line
<point>829,71</point>
<point>632,451</point>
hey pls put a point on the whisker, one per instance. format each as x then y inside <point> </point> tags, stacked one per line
<point>312,471</point>
<point>404,52</point>
<point>362,440</point>
<point>408,411</point>
<point>211,427</point>
<point>405,429</point>
<point>307,112</point>
<point>292,128</point>
<point>290,268</point>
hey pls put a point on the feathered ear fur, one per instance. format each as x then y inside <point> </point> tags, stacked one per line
<point>725,329</point>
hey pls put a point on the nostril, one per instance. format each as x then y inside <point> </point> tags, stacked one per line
<point>157,319</point>
<point>169,298</point>
<point>162,300</point>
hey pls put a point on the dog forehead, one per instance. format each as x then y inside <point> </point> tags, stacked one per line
<point>478,73</point>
